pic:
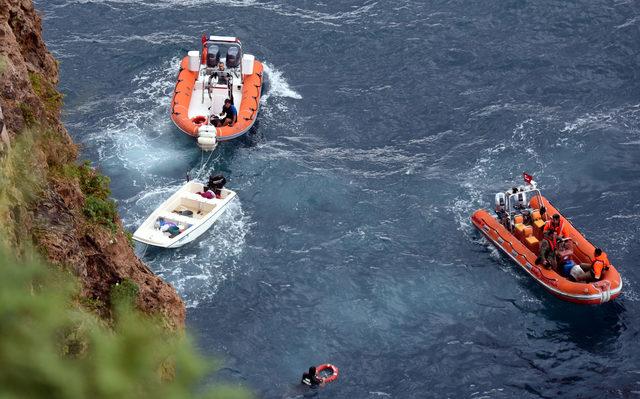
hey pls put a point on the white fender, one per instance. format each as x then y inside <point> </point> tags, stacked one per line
<point>206,128</point>
<point>207,143</point>
<point>207,134</point>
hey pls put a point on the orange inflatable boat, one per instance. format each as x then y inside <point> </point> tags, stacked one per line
<point>205,80</point>
<point>517,229</point>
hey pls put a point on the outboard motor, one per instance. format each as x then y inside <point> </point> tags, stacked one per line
<point>521,200</point>
<point>500,202</point>
<point>213,56</point>
<point>234,57</point>
<point>216,184</point>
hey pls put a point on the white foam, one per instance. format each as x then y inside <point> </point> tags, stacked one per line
<point>140,138</point>
<point>198,268</point>
<point>278,85</point>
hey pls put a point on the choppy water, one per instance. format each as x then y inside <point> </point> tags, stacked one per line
<point>383,126</point>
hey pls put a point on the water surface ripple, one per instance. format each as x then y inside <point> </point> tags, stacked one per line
<point>383,126</point>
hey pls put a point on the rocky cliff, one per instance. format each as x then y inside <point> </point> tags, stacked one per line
<point>49,200</point>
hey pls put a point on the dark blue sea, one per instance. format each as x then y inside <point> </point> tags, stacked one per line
<point>383,126</point>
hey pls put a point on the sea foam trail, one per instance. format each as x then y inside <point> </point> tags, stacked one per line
<point>141,139</point>
<point>278,85</point>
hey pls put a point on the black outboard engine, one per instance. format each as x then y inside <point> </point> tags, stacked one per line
<point>234,57</point>
<point>216,183</point>
<point>213,56</point>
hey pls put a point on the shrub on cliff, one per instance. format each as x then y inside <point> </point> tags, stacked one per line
<point>51,348</point>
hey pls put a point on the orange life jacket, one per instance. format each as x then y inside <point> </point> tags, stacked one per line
<point>559,229</point>
<point>599,263</point>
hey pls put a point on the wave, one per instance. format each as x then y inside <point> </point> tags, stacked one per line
<point>197,269</point>
<point>278,85</point>
<point>336,18</point>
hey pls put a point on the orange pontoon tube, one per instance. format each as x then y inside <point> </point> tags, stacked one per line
<point>205,81</point>
<point>517,231</point>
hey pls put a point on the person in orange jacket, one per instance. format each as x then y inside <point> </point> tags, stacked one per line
<point>599,264</point>
<point>556,224</point>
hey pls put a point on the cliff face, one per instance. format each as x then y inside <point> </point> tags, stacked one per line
<point>57,218</point>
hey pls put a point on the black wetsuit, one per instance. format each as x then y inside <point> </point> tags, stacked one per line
<point>311,380</point>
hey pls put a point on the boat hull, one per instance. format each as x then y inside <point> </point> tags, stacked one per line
<point>148,234</point>
<point>602,291</point>
<point>247,111</point>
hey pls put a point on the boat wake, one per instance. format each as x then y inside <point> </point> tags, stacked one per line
<point>278,85</point>
<point>140,142</point>
<point>197,269</point>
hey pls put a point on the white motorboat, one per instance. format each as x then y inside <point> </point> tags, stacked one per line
<point>183,217</point>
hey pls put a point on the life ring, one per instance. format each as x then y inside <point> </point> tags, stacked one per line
<point>325,367</point>
<point>199,120</point>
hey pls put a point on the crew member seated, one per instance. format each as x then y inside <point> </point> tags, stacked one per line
<point>547,254</point>
<point>557,225</point>
<point>230,115</point>
<point>599,264</point>
<point>311,378</point>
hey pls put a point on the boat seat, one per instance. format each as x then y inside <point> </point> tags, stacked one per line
<point>177,218</point>
<point>199,198</point>
<point>518,219</point>
<point>532,243</point>
<point>535,215</point>
<point>538,227</point>
<point>518,230</point>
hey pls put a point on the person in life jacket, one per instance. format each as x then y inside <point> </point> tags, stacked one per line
<point>548,247</point>
<point>311,378</point>
<point>557,225</point>
<point>599,264</point>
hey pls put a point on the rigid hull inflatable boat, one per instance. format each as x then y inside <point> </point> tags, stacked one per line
<point>517,229</point>
<point>183,217</point>
<point>206,79</point>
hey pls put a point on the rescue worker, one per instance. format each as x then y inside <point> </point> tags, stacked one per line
<point>557,225</point>
<point>311,378</point>
<point>547,254</point>
<point>599,264</point>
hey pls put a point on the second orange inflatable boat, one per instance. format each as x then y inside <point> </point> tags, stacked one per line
<point>517,230</point>
<point>208,78</point>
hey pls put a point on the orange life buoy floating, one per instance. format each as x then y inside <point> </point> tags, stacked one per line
<point>324,367</point>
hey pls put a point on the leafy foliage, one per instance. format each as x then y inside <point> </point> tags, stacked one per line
<point>28,114</point>
<point>51,97</point>
<point>53,348</point>
<point>124,294</point>
<point>101,211</point>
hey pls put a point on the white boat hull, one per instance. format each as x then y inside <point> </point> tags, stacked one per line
<point>205,213</point>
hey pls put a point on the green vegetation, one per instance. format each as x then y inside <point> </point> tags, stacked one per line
<point>130,238</point>
<point>124,294</point>
<point>51,97</point>
<point>101,211</point>
<point>4,63</point>
<point>98,206</point>
<point>52,347</point>
<point>28,114</point>
<point>20,184</point>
